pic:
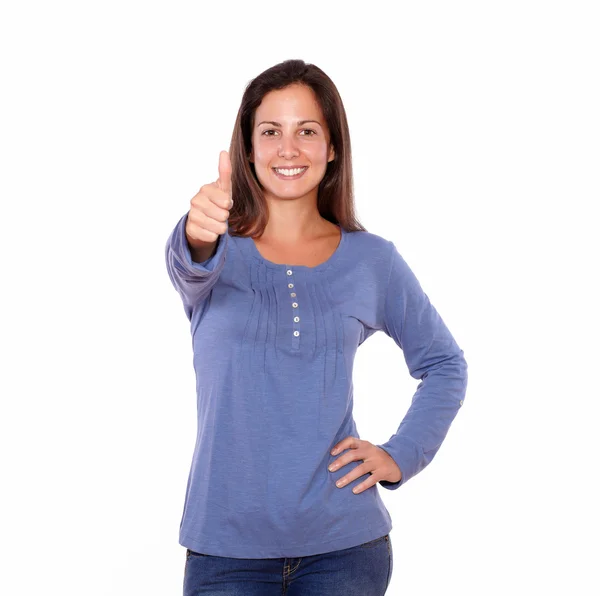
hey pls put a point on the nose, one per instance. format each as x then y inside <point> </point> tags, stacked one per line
<point>287,147</point>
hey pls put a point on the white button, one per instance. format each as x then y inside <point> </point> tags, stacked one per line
<point>289,271</point>
<point>296,319</point>
<point>461,402</point>
<point>294,304</point>
<point>290,285</point>
<point>293,294</point>
<point>296,333</point>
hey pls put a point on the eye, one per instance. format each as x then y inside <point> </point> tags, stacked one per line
<point>265,132</point>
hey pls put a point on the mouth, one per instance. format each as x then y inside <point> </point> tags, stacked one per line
<point>289,173</point>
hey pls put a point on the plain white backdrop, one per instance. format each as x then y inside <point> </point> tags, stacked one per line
<point>475,129</point>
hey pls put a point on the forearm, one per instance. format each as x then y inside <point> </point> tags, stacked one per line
<point>436,402</point>
<point>193,270</point>
<point>201,251</point>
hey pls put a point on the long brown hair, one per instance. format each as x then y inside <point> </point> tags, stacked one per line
<point>335,201</point>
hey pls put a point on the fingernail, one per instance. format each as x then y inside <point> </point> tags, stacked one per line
<point>335,452</point>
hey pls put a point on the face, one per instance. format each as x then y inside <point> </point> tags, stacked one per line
<point>290,132</point>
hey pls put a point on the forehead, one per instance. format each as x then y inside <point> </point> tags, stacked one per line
<point>293,102</point>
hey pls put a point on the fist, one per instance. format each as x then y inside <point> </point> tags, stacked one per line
<point>209,208</point>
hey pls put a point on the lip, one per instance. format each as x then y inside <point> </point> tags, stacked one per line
<point>281,177</point>
<point>288,167</point>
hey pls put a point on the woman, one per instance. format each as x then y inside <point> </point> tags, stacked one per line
<point>281,285</point>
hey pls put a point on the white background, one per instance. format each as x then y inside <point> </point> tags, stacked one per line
<point>475,135</point>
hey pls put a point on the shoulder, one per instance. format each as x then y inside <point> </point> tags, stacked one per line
<point>365,256</point>
<point>370,246</point>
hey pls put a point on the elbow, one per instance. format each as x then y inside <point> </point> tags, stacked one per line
<point>451,373</point>
<point>458,369</point>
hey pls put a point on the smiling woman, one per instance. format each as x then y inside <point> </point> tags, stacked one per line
<point>287,286</point>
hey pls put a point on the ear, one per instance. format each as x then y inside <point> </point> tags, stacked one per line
<point>331,156</point>
<point>251,156</point>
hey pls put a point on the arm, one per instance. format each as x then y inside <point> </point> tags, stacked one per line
<point>201,252</point>
<point>193,280</point>
<point>432,356</point>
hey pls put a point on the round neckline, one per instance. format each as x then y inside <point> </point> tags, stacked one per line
<point>255,253</point>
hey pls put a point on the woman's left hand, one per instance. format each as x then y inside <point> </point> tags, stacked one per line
<point>377,462</point>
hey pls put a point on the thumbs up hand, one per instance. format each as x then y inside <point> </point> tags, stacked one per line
<point>210,207</point>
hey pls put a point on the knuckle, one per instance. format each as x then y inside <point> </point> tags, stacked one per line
<point>197,216</point>
<point>198,202</point>
<point>206,234</point>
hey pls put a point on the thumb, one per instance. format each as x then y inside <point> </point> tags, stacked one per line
<point>224,180</point>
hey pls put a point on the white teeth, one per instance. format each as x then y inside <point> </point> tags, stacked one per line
<point>287,172</point>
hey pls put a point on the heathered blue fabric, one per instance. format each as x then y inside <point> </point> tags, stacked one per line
<point>272,402</point>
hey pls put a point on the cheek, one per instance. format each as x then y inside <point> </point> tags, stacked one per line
<point>318,153</point>
<point>262,153</point>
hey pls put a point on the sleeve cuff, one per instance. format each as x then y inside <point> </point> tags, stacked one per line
<point>407,456</point>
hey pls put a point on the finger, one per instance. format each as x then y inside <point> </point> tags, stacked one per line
<point>339,447</point>
<point>344,459</point>
<point>357,473</point>
<point>351,476</point>
<point>343,444</point>
<point>212,210</point>
<point>201,223</point>
<point>368,483</point>
<point>211,202</point>
<point>224,180</point>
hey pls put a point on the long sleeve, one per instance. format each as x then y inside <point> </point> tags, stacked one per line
<point>192,280</point>
<point>432,356</point>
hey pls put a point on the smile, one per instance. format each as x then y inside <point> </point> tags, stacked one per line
<point>290,173</point>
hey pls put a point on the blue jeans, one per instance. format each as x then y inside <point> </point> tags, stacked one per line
<point>363,570</point>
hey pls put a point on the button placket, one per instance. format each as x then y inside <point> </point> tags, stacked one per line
<point>295,306</point>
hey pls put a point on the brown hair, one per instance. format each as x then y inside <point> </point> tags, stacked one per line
<point>335,201</point>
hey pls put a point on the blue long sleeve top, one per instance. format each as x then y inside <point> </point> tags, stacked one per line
<point>273,351</point>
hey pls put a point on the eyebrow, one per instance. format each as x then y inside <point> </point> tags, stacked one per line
<point>299,123</point>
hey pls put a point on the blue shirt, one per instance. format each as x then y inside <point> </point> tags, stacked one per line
<point>273,351</point>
